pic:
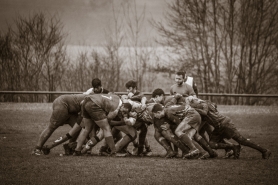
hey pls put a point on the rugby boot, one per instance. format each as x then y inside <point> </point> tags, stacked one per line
<point>140,150</point>
<point>236,150</point>
<point>205,155</point>
<point>202,142</point>
<point>67,149</point>
<point>170,154</point>
<point>87,147</point>
<point>192,154</point>
<point>36,152</point>
<point>134,151</point>
<point>45,150</point>
<point>148,151</point>
<point>266,154</point>
<point>103,151</point>
<point>76,153</point>
<point>229,153</point>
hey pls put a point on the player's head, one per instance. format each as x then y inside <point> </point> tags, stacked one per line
<point>131,86</point>
<point>179,78</point>
<point>126,107</point>
<point>158,111</point>
<point>96,84</point>
<point>158,95</point>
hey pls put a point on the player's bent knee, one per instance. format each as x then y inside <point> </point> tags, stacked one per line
<point>197,137</point>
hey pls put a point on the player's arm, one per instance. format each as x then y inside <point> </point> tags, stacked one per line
<point>116,122</point>
<point>195,88</point>
<point>191,91</point>
<point>174,120</point>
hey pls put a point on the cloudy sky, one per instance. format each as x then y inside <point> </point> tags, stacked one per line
<point>85,21</point>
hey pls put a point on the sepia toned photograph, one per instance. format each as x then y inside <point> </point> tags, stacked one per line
<point>138,92</point>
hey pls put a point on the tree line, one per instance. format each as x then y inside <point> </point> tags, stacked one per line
<point>228,46</point>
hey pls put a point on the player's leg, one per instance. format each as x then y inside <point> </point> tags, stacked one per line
<point>141,138</point>
<point>84,133</point>
<point>216,142</point>
<point>170,136</point>
<point>130,135</point>
<point>72,133</point>
<point>58,118</point>
<point>164,143</point>
<point>182,133</point>
<point>148,150</point>
<point>104,125</point>
<point>96,135</point>
<point>245,142</point>
<point>205,145</point>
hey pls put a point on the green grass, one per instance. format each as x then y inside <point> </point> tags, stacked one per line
<point>22,123</point>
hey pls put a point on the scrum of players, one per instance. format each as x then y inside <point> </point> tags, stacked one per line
<point>182,122</point>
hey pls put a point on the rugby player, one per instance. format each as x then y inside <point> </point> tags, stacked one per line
<point>123,122</point>
<point>224,129</point>
<point>188,122</point>
<point>96,89</point>
<point>180,87</point>
<point>135,95</point>
<point>158,96</point>
<point>66,110</point>
<point>98,109</point>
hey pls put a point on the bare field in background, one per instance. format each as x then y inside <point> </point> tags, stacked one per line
<point>22,123</point>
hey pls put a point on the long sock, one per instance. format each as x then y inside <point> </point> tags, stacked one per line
<point>205,146</point>
<point>165,144</point>
<point>59,141</point>
<point>186,140</point>
<point>122,143</point>
<point>81,139</point>
<point>110,141</point>
<point>223,146</point>
<point>243,141</point>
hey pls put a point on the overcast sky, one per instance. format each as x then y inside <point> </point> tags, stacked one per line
<point>85,21</point>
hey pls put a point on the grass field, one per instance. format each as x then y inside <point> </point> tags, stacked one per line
<point>22,123</point>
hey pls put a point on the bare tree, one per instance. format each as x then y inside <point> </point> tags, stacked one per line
<point>258,25</point>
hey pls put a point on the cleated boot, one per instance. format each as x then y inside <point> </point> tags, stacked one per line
<point>134,151</point>
<point>103,151</point>
<point>266,154</point>
<point>36,152</point>
<point>204,156</point>
<point>170,154</point>
<point>45,150</point>
<point>76,153</point>
<point>236,150</point>
<point>67,149</point>
<point>148,152</point>
<point>191,154</point>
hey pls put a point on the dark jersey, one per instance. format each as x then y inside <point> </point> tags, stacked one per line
<point>177,113</point>
<point>168,101</point>
<point>108,103</point>
<point>72,102</point>
<point>138,96</point>
<point>212,116</point>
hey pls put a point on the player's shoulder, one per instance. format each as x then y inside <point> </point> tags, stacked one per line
<point>105,91</point>
<point>173,86</point>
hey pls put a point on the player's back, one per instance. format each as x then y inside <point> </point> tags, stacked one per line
<point>214,117</point>
<point>72,102</point>
<point>108,102</point>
